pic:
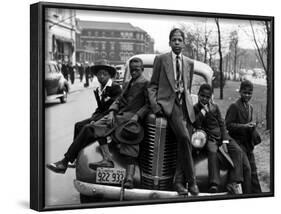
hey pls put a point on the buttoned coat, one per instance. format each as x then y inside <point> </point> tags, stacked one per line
<point>133,100</point>
<point>236,116</point>
<point>212,123</point>
<point>108,96</point>
<point>162,91</point>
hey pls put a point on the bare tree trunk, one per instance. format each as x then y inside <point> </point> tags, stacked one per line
<point>205,49</point>
<point>220,64</point>
<point>235,61</point>
<point>269,109</point>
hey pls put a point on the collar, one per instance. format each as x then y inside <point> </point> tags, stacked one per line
<point>109,83</point>
<point>140,78</point>
<point>174,55</point>
<point>243,103</point>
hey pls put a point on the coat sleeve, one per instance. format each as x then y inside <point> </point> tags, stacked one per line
<point>98,109</point>
<point>231,120</point>
<point>199,117</point>
<point>119,102</point>
<point>145,109</point>
<point>224,133</point>
<point>154,84</point>
<point>111,94</point>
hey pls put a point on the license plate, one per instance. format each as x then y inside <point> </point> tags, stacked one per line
<point>110,175</point>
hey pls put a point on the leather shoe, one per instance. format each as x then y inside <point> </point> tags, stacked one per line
<point>233,189</point>
<point>213,189</point>
<point>181,189</point>
<point>58,167</point>
<point>104,163</point>
<point>193,189</point>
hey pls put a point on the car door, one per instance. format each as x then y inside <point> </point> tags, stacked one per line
<point>52,77</point>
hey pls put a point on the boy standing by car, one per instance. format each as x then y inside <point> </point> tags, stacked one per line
<point>208,118</point>
<point>169,96</point>
<point>239,122</point>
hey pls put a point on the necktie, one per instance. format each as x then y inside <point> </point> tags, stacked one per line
<point>178,80</point>
<point>178,68</point>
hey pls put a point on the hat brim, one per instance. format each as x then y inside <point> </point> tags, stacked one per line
<point>226,157</point>
<point>120,139</point>
<point>111,70</point>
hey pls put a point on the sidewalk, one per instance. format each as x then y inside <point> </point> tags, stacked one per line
<point>78,86</point>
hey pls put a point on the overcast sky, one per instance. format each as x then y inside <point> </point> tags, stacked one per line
<point>159,26</point>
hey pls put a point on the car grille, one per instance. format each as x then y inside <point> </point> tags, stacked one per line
<point>158,155</point>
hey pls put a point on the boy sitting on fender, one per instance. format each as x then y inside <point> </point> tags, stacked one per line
<point>208,118</point>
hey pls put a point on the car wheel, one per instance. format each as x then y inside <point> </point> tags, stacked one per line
<point>63,99</point>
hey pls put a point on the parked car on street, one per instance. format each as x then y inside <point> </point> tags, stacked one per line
<point>56,86</point>
<point>157,161</point>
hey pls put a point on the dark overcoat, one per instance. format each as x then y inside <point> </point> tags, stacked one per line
<point>133,100</point>
<point>212,123</point>
<point>236,116</point>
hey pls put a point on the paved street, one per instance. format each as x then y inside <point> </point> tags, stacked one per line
<point>59,126</point>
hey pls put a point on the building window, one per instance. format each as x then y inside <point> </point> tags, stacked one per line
<point>112,34</point>
<point>112,46</point>
<point>96,47</point>
<point>103,34</point>
<point>96,33</point>
<point>111,55</point>
<point>124,56</point>
<point>127,35</point>
<point>89,33</point>
<point>125,46</point>
<point>88,43</point>
<point>103,45</point>
<point>103,54</point>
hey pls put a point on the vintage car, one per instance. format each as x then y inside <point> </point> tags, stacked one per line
<point>56,86</point>
<point>157,160</point>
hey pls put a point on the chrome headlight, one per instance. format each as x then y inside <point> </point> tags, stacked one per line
<point>199,139</point>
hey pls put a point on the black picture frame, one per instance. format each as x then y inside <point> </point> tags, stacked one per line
<point>37,102</point>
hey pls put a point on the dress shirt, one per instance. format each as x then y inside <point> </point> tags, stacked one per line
<point>174,56</point>
<point>109,83</point>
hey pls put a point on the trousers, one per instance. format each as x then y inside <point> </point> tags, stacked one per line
<point>181,127</point>
<point>250,157</point>
<point>88,134</point>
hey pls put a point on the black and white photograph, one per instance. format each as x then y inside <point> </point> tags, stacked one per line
<point>144,106</point>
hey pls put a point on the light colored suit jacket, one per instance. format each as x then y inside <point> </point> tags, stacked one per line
<point>161,90</point>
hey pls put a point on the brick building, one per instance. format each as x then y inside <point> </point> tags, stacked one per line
<point>113,41</point>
